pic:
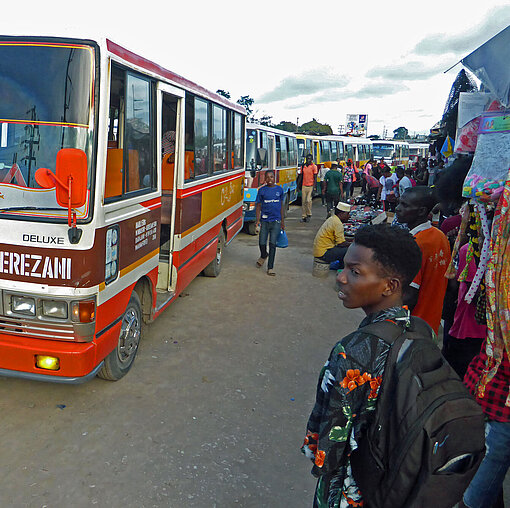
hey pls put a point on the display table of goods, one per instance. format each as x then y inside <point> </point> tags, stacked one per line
<point>361,216</point>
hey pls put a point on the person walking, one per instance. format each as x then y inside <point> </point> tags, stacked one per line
<point>403,181</point>
<point>425,294</point>
<point>332,187</point>
<point>379,265</point>
<point>321,175</point>
<point>269,218</point>
<point>386,192</point>
<point>309,172</point>
<point>348,180</point>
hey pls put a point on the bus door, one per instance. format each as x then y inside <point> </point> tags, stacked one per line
<point>270,151</point>
<point>171,161</point>
<point>316,152</point>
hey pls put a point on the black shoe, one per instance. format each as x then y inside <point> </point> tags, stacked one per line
<point>307,219</point>
<point>303,219</point>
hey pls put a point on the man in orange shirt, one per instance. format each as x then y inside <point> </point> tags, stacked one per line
<point>426,293</point>
<point>309,171</point>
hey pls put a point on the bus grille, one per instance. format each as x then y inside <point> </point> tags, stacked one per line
<point>37,329</point>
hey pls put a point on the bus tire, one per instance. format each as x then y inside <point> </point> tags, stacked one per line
<point>213,269</point>
<point>252,228</point>
<point>286,205</point>
<point>119,361</point>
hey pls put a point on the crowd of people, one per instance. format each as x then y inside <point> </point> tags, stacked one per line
<point>430,213</point>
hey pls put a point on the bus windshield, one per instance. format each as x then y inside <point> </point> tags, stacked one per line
<point>251,149</point>
<point>47,104</point>
<point>383,150</point>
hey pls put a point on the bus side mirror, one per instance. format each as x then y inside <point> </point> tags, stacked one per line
<point>72,162</point>
<point>70,177</point>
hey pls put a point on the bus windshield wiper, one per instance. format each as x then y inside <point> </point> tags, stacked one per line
<point>19,208</point>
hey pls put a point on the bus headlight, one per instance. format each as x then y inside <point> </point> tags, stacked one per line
<point>54,309</point>
<point>23,305</point>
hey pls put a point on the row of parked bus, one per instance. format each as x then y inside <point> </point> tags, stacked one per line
<point>283,152</point>
<point>120,181</point>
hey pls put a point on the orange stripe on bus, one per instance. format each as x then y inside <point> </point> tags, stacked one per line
<point>140,261</point>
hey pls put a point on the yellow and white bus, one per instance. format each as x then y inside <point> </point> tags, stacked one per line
<point>268,148</point>
<point>395,153</point>
<point>417,150</point>
<point>359,150</point>
<point>120,182</point>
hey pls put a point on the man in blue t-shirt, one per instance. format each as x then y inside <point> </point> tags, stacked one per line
<point>269,218</point>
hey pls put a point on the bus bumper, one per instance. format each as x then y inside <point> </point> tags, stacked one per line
<point>77,360</point>
<point>49,378</point>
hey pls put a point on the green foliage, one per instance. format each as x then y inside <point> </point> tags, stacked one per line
<point>400,133</point>
<point>265,120</point>
<point>247,102</point>
<point>223,93</point>
<point>315,127</point>
<point>287,126</point>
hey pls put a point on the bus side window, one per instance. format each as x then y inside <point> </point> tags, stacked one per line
<point>201,134</point>
<point>115,153</point>
<point>137,137</point>
<point>130,156</point>
<point>168,122</point>
<point>189,139</point>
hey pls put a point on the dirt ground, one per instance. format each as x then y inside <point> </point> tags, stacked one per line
<point>214,409</point>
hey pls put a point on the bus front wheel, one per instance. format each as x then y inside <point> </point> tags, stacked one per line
<point>119,361</point>
<point>286,205</point>
<point>214,267</point>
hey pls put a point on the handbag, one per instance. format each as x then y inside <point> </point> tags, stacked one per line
<point>282,240</point>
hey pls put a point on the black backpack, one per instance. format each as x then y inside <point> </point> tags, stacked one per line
<point>426,439</point>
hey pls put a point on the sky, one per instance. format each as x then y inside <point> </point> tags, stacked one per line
<point>298,60</point>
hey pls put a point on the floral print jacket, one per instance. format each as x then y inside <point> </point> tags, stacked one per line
<point>346,395</point>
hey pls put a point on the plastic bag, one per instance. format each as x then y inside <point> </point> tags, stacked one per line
<point>282,241</point>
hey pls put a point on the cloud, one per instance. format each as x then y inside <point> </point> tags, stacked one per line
<point>376,90</point>
<point>372,91</point>
<point>437,44</point>
<point>406,71</point>
<point>309,83</point>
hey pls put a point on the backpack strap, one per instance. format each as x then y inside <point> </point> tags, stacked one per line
<point>390,331</point>
<point>385,330</point>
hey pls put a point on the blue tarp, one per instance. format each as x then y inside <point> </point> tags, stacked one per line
<point>490,63</point>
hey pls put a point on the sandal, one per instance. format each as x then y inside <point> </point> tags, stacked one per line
<point>260,262</point>
<point>271,272</point>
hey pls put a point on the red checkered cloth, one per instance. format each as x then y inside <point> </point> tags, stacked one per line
<point>496,392</point>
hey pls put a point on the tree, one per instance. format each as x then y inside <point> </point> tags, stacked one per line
<point>265,120</point>
<point>223,93</point>
<point>315,127</point>
<point>400,133</point>
<point>287,126</point>
<point>247,102</point>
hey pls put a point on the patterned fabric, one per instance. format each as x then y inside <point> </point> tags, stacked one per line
<point>498,295</point>
<point>346,397</point>
<point>497,389</point>
<point>451,272</point>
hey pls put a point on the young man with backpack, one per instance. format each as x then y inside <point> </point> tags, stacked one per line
<point>384,389</point>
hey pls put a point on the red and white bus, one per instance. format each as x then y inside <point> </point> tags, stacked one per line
<point>120,182</point>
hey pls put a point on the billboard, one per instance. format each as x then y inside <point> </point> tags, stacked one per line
<point>357,124</point>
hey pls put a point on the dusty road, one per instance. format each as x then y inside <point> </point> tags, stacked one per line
<point>212,413</point>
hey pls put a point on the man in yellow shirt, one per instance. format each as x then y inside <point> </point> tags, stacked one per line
<point>330,243</point>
